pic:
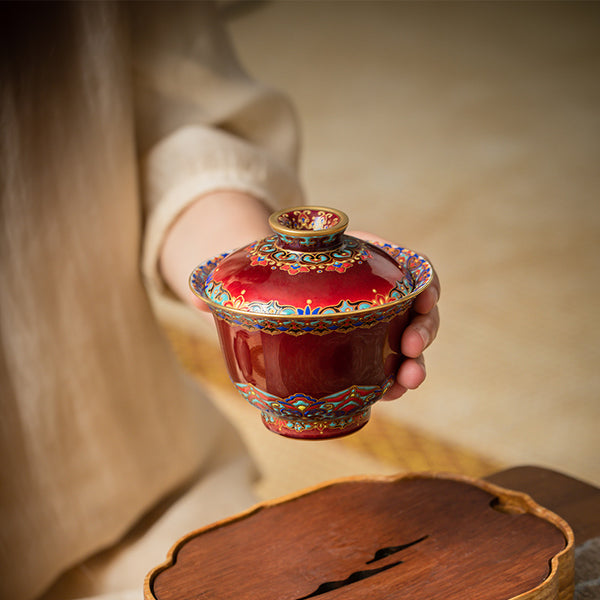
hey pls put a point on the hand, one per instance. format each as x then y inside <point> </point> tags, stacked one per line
<point>214,223</point>
<point>419,334</point>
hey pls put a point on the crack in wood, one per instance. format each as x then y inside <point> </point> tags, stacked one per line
<point>382,553</point>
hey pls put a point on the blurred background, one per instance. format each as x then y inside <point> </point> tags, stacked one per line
<point>469,132</point>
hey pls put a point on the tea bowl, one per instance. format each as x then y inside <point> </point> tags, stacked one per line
<point>310,319</point>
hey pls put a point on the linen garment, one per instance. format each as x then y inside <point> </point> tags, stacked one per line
<point>114,117</point>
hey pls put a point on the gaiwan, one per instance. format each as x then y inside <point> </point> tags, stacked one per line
<point>310,319</point>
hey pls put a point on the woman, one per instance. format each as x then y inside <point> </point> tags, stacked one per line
<point>130,135</point>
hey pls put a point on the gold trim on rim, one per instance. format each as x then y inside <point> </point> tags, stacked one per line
<point>277,227</point>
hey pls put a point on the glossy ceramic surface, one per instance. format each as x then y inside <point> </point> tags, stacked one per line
<point>310,320</point>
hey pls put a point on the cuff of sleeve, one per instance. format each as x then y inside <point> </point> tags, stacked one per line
<point>193,162</point>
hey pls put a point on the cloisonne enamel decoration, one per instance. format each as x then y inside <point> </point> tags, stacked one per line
<point>310,319</point>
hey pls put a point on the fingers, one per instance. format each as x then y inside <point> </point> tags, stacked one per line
<point>425,301</point>
<point>423,328</point>
<point>410,376</point>
<point>420,333</point>
<point>394,392</point>
<point>198,302</point>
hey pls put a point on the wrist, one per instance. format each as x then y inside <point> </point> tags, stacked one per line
<point>212,224</point>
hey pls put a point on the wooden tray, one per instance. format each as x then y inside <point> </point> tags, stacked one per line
<point>417,536</point>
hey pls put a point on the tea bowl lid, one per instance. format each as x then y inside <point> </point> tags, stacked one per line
<point>310,267</point>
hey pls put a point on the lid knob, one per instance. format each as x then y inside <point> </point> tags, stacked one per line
<point>309,228</point>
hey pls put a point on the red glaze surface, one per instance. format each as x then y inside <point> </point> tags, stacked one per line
<point>316,365</point>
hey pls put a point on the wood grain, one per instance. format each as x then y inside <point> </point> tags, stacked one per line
<point>418,536</point>
<point>576,501</point>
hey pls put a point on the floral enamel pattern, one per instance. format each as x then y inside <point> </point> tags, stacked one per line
<point>220,296</point>
<point>302,413</point>
<point>269,254</point>
<point>305,429</point>
<point>419,268</point>
<point>314,324</point>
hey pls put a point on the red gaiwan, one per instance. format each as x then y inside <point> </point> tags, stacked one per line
<point>310,320</point>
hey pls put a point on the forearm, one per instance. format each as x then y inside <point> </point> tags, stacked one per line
<point>216,222</point>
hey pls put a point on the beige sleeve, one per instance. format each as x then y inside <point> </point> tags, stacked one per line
<point>202,124</point>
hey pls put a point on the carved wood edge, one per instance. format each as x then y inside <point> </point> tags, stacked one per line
<point>557,586</point>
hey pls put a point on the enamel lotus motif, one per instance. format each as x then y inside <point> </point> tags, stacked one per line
<point>310,319</point>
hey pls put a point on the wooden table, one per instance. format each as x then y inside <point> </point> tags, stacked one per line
<point>325,533</point>
<point>575,501</point>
